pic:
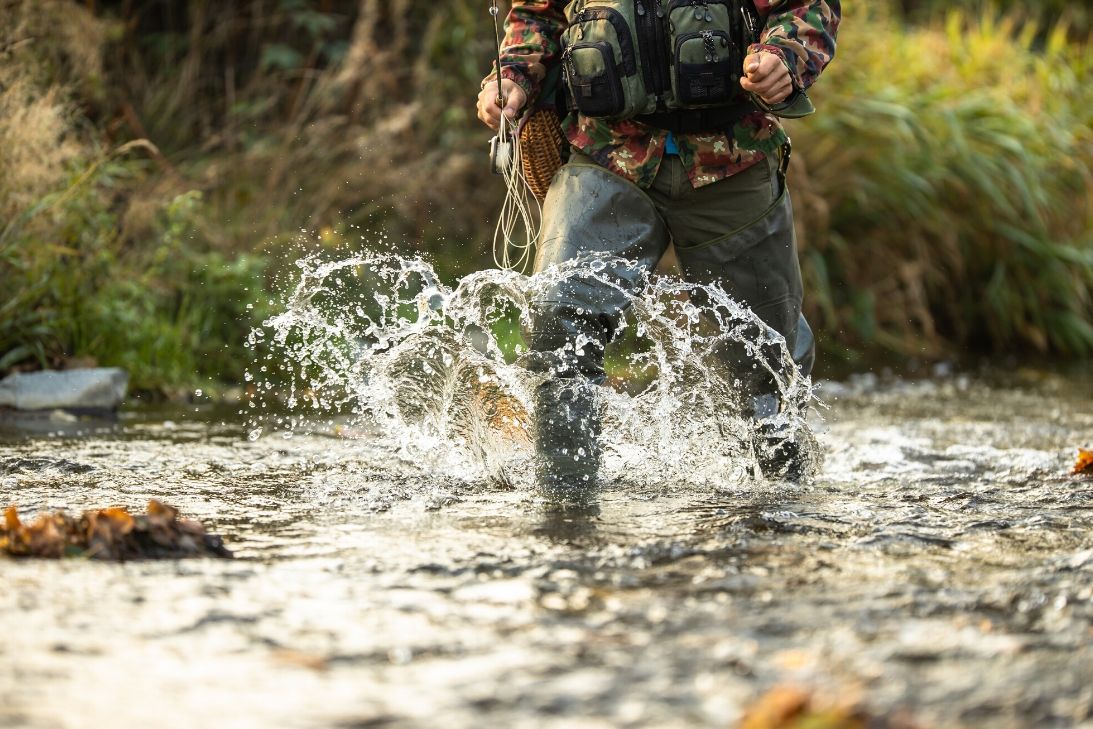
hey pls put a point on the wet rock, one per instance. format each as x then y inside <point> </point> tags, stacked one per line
<point>99,388</point>
<point>109,534</point>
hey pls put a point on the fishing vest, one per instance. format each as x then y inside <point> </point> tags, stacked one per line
<point>659,60</point>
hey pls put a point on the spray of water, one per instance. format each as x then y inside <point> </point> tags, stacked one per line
<point>379,345</point>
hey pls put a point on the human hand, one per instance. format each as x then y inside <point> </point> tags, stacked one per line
<point>489,110</point>
<point>767,77</point>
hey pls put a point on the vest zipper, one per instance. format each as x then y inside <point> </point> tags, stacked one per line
<point>663,46</point>
<point>655,44</point>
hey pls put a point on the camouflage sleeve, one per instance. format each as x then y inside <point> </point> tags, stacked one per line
<point>802,32</point>
<point>532,42</point>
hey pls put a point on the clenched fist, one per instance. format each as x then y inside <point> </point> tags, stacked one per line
<point>767,77</point>
<point>489,110</point>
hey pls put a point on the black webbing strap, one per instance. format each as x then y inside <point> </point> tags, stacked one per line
<point>695,121</point>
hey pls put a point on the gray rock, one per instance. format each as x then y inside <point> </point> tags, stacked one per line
<point>99,388</point>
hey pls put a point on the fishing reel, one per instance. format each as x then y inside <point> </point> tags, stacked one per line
<point>502,153</point>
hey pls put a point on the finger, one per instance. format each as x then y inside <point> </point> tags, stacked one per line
<point>779,95</point>
<point>487,97</point>
<point>771,83</point>
<point>751,63</point>
<point>768,87</point>
<point>758,66</point>
<point>756,87</point>
<point>487,104</point>
<point>771,94</point>
<point>770,63</point>
<point>488,112</point>
<point>508,87</point>
<point>484,118</point>
<point>766,66</point>
<point>515,102</point>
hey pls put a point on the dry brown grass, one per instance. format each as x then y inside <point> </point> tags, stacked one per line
<point>38,123</point>
<point>38,148</point>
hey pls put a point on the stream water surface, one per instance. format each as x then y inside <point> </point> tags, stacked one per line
<point>940,562</point>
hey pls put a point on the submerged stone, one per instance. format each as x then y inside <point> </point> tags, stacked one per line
<point>98,388</point>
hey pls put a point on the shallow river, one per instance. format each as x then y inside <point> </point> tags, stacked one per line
<point>941,564</point>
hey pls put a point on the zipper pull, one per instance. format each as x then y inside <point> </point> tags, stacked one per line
<point>641,8</point>
<point>660,9</point>
<point>708,46</point>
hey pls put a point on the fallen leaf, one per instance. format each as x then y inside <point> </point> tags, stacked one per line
<point>777,708</point>
<point>1084,464</point>
<point>791,707</point>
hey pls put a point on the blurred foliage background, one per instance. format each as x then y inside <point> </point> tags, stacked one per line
<point>164,162</point>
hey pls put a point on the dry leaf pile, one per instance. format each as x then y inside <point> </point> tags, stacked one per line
<point>109,534</point>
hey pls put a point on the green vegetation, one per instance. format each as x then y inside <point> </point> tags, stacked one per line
<point>160,160</point>
<point>947,198</point>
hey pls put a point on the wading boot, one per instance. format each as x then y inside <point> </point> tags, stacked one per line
<point>782,453</point>
<point>567,429</point>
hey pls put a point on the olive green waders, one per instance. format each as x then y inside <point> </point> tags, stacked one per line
<point>737,232</point>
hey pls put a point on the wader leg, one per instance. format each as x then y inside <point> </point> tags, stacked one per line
<point>589,213</point>
<point>804,352</point>
<point>756,262</point>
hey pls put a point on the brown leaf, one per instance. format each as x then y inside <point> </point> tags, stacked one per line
<point>1084,464</point>
<point>11,519</point>
<point>777,708</point>
<point>159,510</point>
<point>789,707</point>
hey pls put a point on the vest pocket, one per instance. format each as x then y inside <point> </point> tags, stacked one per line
<point>707,40</point>
<point>600,59</point>
<point>703,65</point>
<point>593,79</point>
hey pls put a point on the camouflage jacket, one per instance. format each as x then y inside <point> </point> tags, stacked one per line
<point>801,32</point>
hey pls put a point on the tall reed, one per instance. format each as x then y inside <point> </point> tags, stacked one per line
<point>946,201</point>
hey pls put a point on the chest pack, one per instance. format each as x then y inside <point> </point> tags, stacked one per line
<point>631,58</point>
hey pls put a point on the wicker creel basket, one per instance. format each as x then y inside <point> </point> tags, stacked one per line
<point>541,143</point>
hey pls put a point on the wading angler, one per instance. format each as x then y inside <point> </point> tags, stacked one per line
<point>670,115</point>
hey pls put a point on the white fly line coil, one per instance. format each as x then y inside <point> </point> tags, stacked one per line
<point>518,224</point>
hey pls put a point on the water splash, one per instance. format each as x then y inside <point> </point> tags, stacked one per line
<point>377,344</point>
